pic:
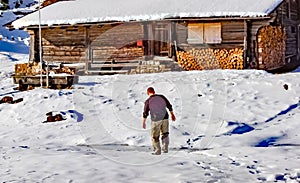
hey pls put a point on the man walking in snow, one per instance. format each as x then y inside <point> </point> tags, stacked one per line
<point>157,105</point>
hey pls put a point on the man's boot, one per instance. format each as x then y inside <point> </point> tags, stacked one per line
<point>156,146</point>
<point>165,143</point>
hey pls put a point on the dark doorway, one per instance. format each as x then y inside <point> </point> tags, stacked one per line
<point>162,38</point>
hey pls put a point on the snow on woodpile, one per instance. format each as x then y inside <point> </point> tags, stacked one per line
<point>83,11</point>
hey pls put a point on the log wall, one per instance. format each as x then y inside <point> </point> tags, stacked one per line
<point>288,15</point>
<point>291,20</point>
<point>64,44</point>
<point>81,43</point>
<point>117,42</point>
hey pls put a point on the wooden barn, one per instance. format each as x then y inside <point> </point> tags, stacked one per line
<point>124,36</point>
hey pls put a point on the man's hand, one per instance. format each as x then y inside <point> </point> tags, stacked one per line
<point>144,123</point>
<point>173,116</point>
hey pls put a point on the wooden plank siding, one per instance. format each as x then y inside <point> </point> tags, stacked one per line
<point>118,42</point>
<point>95,42</point>
<point>233,32</point>
<point>288,19</point>
<point>288,15</point>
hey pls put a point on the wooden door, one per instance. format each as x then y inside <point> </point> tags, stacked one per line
<point>162,38</point>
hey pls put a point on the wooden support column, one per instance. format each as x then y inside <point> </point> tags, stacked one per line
<point>88,51</point>
<point>247,43</point>
<point>32,44</point>
<point>173,41</point>
<point>150,40</point>
<point>146,39</point>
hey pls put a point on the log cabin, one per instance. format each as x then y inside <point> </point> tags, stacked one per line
<point>195,34</point>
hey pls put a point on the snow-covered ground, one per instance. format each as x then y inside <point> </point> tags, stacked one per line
<point>232,126</point>
<point>242,125</point>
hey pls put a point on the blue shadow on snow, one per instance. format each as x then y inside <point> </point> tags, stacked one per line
<point>267,142</point>
<point>289,109</point>
<point>271,141</point>
<point>15,47</point>
<point>61,93</point>
<point>240,129</point>
<point>74,114</point>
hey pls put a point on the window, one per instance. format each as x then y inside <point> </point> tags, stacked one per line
<point>195,33</point>
<point>200,33</point>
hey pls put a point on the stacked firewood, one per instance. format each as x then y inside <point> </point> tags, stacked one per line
<point>32,69</point>
<point>271,46</point>
<point>28,69</point>
<point>230,59</point>
<point>207,58</point>
<point>187,61</point>
<point>66,70</point>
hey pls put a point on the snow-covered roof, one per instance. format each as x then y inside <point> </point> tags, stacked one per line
<point>89,11</point>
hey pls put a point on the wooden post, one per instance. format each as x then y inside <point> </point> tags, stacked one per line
<point>146,39</point>
<point>173,41</point>
<point>150,40</point>
<point>88,52</point>
<point>247,42</point>
<point>32,49</point>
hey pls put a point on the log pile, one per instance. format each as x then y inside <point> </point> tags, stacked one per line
<point>230,59</point>
<point>207,58</point>
<point>32,69</point>
<point>187,61</point>
<point>66,70</point>
<point>27,69</point>
<point>271,47</point>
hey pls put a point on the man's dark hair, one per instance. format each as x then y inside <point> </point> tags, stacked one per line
<point>150,90</point>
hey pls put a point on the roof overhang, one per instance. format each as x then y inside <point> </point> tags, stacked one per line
<point>79,12</point>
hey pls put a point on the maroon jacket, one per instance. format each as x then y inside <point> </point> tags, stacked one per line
<point>157,105</point>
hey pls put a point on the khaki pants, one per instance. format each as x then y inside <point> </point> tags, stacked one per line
<point>160,128</point>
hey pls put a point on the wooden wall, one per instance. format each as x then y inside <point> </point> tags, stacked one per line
<point>90,42</point>
<point>118,42</point>
<point>66,44</point>
<point>288,15</point>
